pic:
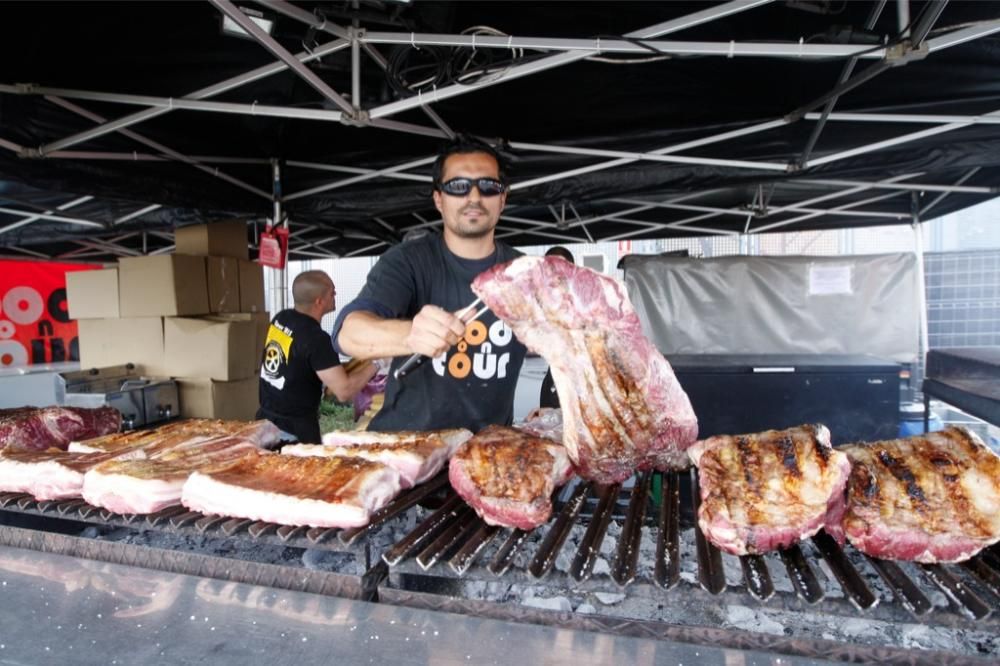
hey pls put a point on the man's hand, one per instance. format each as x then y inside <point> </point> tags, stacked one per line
<point>434,331</point>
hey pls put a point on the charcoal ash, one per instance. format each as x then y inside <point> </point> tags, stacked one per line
<point>233,548</point>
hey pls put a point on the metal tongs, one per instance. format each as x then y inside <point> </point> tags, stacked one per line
<point>417,360</point>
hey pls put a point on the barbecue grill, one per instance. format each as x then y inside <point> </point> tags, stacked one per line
<point>630,549</point>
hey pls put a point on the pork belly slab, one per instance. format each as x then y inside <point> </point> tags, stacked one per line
<point>295,490</point>
<point>153,484</point>
<point>417,456</point>
<point>508,476</point>
<point>622,407</point>
<point>263,433</point>
<point>927,498</point>
<point>47,475</point>
<point>768,490</point>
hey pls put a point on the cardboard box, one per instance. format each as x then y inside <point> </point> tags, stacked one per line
<point>223,284</point>
<point>210,399</point>
<point>211,348</point>
<point>106,342</point>
<point>251,287</point>
<point>261,322</point>
<point>162,286</point>
<point>92,294</point>
<point>217,239</point>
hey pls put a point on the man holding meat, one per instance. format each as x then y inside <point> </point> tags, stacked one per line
<point>413,293</point>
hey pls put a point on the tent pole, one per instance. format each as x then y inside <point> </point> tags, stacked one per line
<point>918,250</point>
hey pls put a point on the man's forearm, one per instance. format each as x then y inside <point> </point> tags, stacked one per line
<point>366,335</point>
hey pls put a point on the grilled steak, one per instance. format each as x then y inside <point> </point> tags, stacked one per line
<point>508,476</point>
<point>622,406</point>
<point>37,429</point>
<point>154,483</point>
<point>768,490</point>
<point>927,498</point>
<point>416,456</point>
<point>294,490</point>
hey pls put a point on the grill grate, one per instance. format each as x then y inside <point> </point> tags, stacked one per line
<point>453,535</point>
<point>458,537</point>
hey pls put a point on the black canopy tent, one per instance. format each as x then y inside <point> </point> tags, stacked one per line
<point>120,122</point>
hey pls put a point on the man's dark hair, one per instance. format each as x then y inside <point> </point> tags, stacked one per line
<point>560,251</point>
<point>463,145</point>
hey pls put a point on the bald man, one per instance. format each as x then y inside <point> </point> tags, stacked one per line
<point>299,360</point>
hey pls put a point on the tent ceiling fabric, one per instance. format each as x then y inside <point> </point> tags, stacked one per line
<point>689,134</point>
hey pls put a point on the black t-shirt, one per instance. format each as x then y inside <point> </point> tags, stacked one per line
<point>296,349</point>
<point>472,384</point>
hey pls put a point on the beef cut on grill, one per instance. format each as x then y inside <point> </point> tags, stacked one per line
<point>622,406</point>
<point>417,456</point>
<point>927,498</point>
<point>765,491</point>
<point>40,428</point>
<point>294,490</point>
<point>508,476</point>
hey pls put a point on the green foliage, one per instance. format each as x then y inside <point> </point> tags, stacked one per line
<point>335,416</point>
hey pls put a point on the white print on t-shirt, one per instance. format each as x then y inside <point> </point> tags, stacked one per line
<point>480,352</point>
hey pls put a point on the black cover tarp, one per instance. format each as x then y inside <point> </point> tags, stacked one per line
<point>172,49</point>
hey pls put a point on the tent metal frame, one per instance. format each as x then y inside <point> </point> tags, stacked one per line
<point>311,240</point>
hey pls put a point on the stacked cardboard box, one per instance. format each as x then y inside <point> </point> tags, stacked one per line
<point>197,316</point>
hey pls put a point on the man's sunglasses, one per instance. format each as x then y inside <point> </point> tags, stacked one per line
<point>459,187</point>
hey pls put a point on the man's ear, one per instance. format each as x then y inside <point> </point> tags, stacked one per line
<point>437,201</point>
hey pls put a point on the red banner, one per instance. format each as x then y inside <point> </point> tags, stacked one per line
<point>34,321</point>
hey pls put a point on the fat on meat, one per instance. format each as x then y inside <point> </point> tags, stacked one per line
<point>765,491</point>
<point>623,409</point>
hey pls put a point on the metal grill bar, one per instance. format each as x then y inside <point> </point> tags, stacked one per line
<point>235,525</point>
<point>460,526</point>
<point>556,537</point>
<point>627,557</point>
<point>425,530</point>
<point>801,574</point>
<point>466,555</point>
<point>160,517</point>
<point>710,574</point>
<point>845,573</point>
<point>757,577</point>
<point>984,573</point>
<point>667,570</point>
<point>586,555</point>
<point>395,507</point>
<point>900,584</point>
<point>959,594</point>
<point>505,556</point>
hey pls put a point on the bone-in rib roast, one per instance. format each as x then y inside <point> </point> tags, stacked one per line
<point>927,498</point>
<point>768,490</point>
<point>623,408</point>
<point>508,476</point>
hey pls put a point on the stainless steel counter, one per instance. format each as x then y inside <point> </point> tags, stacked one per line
<point>58,609</point>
